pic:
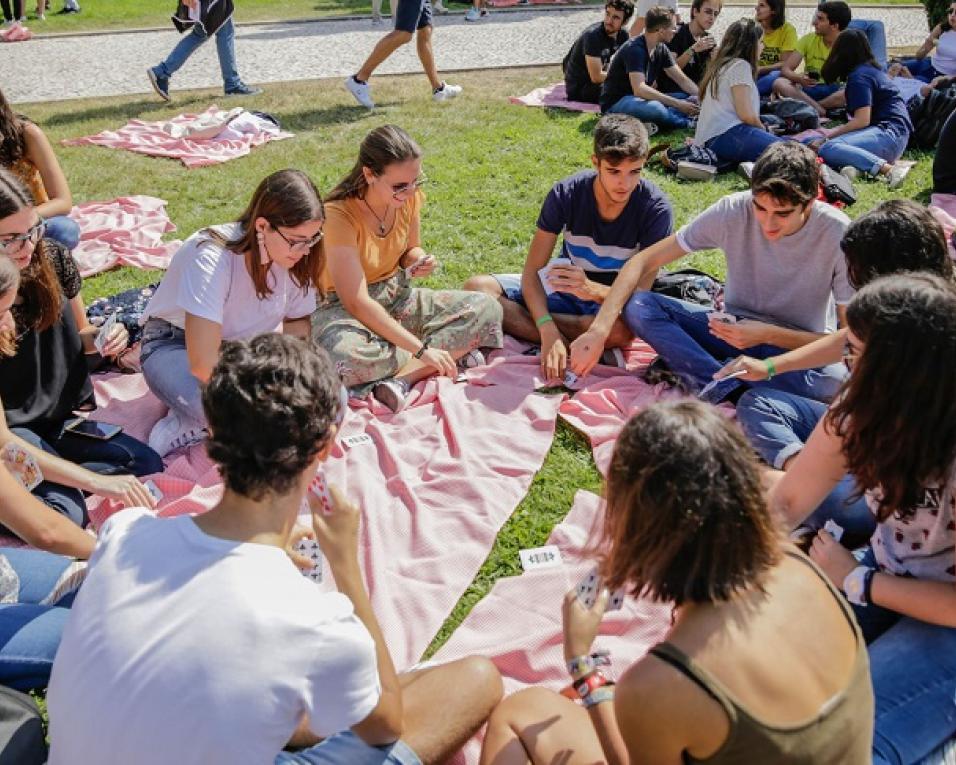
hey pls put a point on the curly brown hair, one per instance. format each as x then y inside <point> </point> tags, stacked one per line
<point>686,517</point>
<point>897,412</point>
<point>271,404</point>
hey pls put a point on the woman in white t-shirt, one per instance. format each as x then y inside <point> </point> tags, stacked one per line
<point>231,282</point>
<point>943,63</point>
<point>894,429</point>
<point>729,122</point>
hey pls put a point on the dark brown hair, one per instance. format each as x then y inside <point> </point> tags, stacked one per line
<point>626,7</point>
<point>686,516</point>
<point>287,198</point>
<point>381,147</point>
<point>9,282</point>
<point>13,143</point>
<point>618,137</point>
<point>657,18</point>
<point>39,285</point>
<point>850,50</point>
<point>897,412</point>
<point>740,41</point>
<point>778,13</point>
<point>271,403</point>
<point>787,171</point>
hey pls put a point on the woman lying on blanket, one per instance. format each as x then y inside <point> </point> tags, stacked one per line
<point>43,365</point>
<point>230,282</point>
<point>27,153</point>
<point>738,678</point>
<point>382,333</point>
<point>894,430</point>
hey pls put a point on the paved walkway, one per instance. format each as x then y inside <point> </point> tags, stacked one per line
<point>114,64</point>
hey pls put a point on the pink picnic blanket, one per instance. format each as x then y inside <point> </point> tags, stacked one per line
<point>436,483</point>
<point>556,96</point>
<point>158,139</point>
<point>518,624</point>
<point>123,232</point>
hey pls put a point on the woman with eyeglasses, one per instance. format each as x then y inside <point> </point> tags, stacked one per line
<point>26,152</point>
<point>44,378</point>
<point>383,334</point>
<point>231,282</point>
<point>894,429</point>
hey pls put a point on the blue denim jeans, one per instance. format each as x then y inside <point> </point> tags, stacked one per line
<point>166,370</point>
<point>913,667</point>
<point>742,143</point>
<point>876,35</point>
<point>867,150</point>
<point>665,117</point>
<point>922,68</point>
<point>63,229</point>
<point>30,629</point>
<point>346,747</point>
<point>778,424</point>
<point>679,332</point>
<point>225,47</point>
<point>765,83</point>
<point>120,455</point>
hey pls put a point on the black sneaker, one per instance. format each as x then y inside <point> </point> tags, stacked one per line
<point>160,84</point>
<point>244,90</point>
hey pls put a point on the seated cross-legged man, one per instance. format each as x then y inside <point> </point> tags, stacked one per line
<point>813,49</point>
<point>585,66</point>
<point>605,217</point>
<point>785,269</point>
<point>215,645</point>
<point>630,84</point>
<point>693,45</point>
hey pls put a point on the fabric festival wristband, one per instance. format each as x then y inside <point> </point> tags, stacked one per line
<point>771,369</point>
<point>854,586</point>
<point>542,320</point>
<point>598,696</point>
<point>420,351</point>
<point>590,683</point>
<point>583,665</point>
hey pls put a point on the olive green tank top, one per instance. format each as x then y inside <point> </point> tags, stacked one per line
<point>841,733</point>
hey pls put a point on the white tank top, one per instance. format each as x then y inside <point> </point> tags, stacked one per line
<point>944,60</point>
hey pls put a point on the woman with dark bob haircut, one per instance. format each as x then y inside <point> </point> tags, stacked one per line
<point>894,429</point>
<point>738,678</point>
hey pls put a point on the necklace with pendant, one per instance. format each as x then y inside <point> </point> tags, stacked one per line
<point>381,221</point>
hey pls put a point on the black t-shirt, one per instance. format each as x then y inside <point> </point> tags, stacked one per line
<point>633,56</point>
<point>48,377</point>
<point>944,164</point>
<point>683,39</point>
<point>594,41</point>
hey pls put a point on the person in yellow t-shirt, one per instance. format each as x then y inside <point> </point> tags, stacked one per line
<point>812,50</point>
<point>779,40</point>
<point>383,334</point>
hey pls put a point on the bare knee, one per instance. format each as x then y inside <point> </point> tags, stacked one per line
<point>483,283</point>
<point>522,708</point>
<point>782,87</point>
<point>481,677</point>
<point>400,36</point>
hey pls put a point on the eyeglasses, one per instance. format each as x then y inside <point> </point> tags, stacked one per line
<point>403,188</point>
<point>850,355</point>
<point>299,244</point>
<point>14,244</point>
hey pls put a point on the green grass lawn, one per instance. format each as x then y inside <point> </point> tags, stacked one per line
<point>137,14</point>
<point>489,166</point>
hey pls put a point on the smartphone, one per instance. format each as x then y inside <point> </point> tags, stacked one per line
<point>813,75</point>
<point>101,431</point>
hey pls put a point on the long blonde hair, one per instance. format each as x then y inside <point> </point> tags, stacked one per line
<point>741,40</point>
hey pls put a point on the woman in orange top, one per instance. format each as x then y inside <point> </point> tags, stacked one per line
<point>383,334</point>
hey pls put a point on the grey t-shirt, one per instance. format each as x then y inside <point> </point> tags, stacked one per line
<point>788,283</point>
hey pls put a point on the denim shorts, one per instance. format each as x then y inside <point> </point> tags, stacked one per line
<point>558,302</point>
<point>821,91</point>
<point>346,748</point>
<point>413,14</point>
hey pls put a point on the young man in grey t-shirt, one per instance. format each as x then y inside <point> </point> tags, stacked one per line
<point>785,268</point>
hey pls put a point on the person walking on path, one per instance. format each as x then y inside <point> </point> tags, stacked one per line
<point>204,18</point>
<point>412,18</point>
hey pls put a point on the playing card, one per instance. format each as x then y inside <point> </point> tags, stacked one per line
<point>543,272</point>
<point>835,529</point>
<point>310,549</point>
<point>103,335</point>
<point>415,267</point>
<point>570,380</point>
<point>357,440</point>
<point>153,489</point>
<point>721,316</point>
<point>616,601</point>
<point>713,383</point>
<point>320,490</point>
<point>548,556</point>
<point>22,466</point>
<point>588,588</point>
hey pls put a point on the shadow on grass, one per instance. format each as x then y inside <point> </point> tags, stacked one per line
<point>309,120</point>
<point>127,110</point>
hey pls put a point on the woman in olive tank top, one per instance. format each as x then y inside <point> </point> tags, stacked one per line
<point>763,662</point>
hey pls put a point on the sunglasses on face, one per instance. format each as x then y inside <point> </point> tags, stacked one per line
<point>13,244</point>
<point>398,189</point>
<point>299,244</point>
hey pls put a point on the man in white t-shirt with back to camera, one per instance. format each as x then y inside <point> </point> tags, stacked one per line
<point>196,640</point>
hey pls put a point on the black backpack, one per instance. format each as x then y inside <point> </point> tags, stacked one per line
<point>794,115</point>
<point>928,116</point>
<point>691,285</point>
<point>21,730</point>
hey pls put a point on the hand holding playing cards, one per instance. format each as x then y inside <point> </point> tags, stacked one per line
<point>300,560</point>
<point>581,623</point>
<point>422,267</point>
<point>124,488</point>
<point>835,560</point>
<point>336,531</point>
<point>586,351</point>
<point>554,352</point>
<point>752,369</point>
<point>115,341</point>
<point>746,333</point>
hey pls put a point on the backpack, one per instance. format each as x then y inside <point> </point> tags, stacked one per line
<point>672,156</point>
<point>21,730</point>
<point>795,115</point>
<point>691,285</point>
<point>835,187</point>
<point>928,116</point>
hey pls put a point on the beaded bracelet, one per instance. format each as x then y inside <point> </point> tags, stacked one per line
<point>598,696</point>
<point>582,665</point>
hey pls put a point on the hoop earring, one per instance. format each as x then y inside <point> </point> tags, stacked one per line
<point>263,253</point>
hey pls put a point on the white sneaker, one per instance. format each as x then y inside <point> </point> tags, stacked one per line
<point>376,18</point>
<point>172,433</point>
<point>361,92</point>
<point>474,358</point>
<point>614,357</point>
<point>438,8</point>
<point>446,92</point>
<point>651,128</point>
<point>897,175</point>
<point>474,14</point>
<point>850,173</point>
